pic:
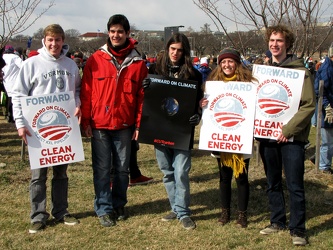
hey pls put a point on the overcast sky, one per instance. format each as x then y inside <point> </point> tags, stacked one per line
<point>92,15</point>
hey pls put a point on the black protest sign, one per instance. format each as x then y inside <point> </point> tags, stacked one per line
<point>168,105</point>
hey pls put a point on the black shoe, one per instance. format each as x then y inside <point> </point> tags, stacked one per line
<point>169,217</point>
<point>120,213</point>
<point>107,220</point>
<point>188,223</point>
<point>272,228</point>
<point>69,220</point>
<point>299,239</point>
<point>36,227</point>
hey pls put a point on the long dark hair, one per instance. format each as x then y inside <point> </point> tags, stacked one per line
<point>185,63</point>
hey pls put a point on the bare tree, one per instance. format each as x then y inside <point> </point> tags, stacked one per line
<point>302,16</point>
<point>206,29</point>
<point>39,34</point>
<point>72,33</point>
<point>16,16</point>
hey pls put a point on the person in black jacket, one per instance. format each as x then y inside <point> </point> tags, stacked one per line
<point>175,164</point>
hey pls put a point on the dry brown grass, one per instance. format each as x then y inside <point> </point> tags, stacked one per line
<point>147,204</point>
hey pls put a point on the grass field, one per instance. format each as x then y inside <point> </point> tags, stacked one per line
<point>147,204</point>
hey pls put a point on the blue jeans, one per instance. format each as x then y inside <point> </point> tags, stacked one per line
<point>175,165</point>
<point>59,193</point>
<point>326,148</point>
<point>291,156</point>
<point>110,148</point>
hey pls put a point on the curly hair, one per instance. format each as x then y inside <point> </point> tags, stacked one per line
<point>285,31</point>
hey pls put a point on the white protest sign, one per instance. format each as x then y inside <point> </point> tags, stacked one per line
<point>56,137</point>
<point>278,96</point>
<point>227,120</point>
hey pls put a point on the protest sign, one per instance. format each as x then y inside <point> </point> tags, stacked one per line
<point>278,97</point>
<point>56,137</point>
<point>227,120</point>
<point>168,105</point>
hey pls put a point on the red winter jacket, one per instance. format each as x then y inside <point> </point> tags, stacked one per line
<point>112,98</point>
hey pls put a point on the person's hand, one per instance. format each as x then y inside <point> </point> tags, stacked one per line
<point>282,139</point>
<point>135,135</point>
<point>23,132</point>
<point>203,102</point>
<point>78,114</point>
<point>195,120</point>
<point>329,114</point>
<point>146,83</point>
<point>88,131</point>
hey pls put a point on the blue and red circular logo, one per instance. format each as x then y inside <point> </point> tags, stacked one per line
<point>52,126</point>
<point>228,112</point>
<point>273,99</point>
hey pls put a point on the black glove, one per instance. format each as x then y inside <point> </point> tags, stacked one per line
<point>195,120</point>
<point>146,83</point>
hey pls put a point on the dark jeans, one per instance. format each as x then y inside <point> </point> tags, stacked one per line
<point>110,148</point>
<point>291,156</point>
<point>226,174</point>
<point>133,168</point>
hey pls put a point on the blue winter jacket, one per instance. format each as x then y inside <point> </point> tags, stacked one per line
<point>325,72</point>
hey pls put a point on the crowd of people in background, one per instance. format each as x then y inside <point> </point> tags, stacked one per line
<point>114,142</point>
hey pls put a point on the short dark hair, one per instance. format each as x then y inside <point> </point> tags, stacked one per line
<point>119,19</point>
<point>287,33</point>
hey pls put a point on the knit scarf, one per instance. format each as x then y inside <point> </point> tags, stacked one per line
<point>233,160</point>
<point>120,52</point>
<point>233,78</point>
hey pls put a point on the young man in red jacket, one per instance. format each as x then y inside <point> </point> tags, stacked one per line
<point>112,98</point>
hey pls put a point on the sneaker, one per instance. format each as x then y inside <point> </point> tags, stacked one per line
<point>188,223</point>
<point>107,220</point>
<point>299,239</point>
<point>120,213</point>
<point>36,227</point>
<point>169,217</point>
<point>273,228</point>
<point>141,180</point>
<point>327,171</point>
<point>69,220</point>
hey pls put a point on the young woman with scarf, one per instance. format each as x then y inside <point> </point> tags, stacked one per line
<point>230,68</point>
